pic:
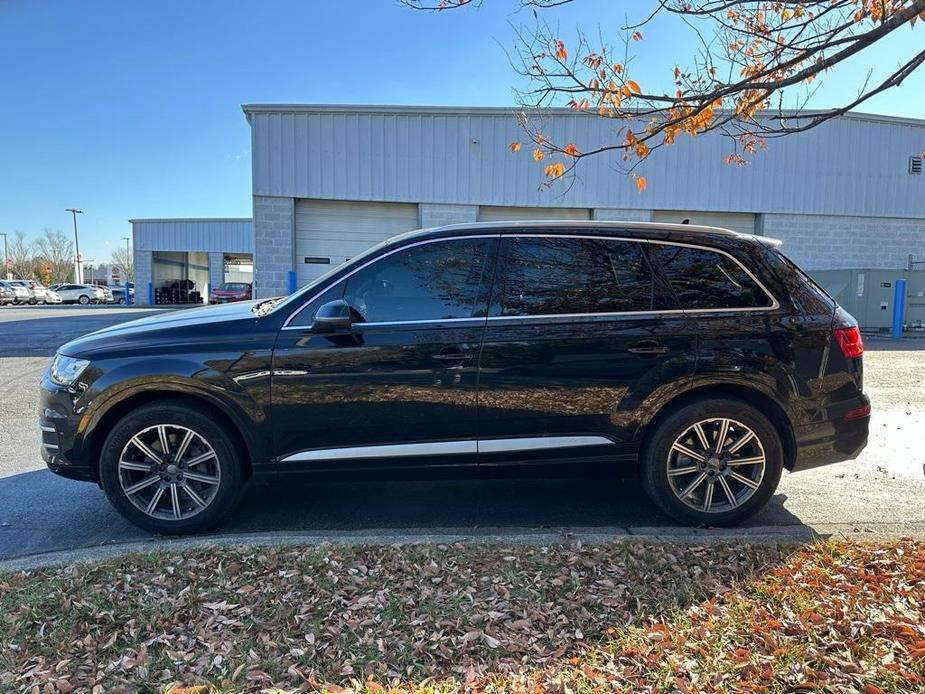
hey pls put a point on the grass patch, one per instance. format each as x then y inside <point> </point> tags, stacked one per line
<point>833,616</point>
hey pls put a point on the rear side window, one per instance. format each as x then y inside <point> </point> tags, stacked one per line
<point>704,279</point>
<point>560,275</point>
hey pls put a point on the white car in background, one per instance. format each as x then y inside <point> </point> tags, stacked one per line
<point>81,294</point>
<point>52,297</point>
<point>21,293</point>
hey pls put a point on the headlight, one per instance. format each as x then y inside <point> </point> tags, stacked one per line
<point>65,370</point>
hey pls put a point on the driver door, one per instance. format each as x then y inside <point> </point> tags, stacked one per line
<point>398,386</point>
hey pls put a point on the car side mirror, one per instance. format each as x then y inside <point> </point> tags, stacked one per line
<point>333,316</point>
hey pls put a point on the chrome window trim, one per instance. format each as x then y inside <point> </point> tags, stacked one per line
<point>460,447</point>
<point>775,304</point>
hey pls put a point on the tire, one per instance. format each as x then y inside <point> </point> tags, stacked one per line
<point>695,485</point>
<point>83,300</point>
<point>121,301</point>
<point>223,468</point>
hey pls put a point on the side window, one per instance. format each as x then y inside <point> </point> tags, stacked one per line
<point>561,275</point>
<point>304,317</point>
<point>430,281</point>
<point>704,279</point>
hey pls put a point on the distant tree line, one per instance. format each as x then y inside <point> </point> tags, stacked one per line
<point>50,258</point>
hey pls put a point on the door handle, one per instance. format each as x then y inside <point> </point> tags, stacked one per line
<point>648,348</point>
<point>460,356</point>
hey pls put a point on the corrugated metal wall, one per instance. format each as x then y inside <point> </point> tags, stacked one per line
<point>227,235</point>
<point>850,166</point>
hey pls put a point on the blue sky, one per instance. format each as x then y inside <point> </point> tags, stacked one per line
<point>130,109</point>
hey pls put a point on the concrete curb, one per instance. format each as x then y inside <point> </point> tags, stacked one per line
<point>793,534</point>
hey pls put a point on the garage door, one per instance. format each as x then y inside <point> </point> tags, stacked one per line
<point>329,232</point>
<point>737,221</point>
<point>513,214</point>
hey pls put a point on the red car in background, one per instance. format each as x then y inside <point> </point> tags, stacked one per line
<point>230,291</point>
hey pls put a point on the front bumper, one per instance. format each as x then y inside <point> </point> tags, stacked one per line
<point>839,437</point>
<point>61,444</point>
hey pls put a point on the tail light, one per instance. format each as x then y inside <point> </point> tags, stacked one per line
<point>849,339</point>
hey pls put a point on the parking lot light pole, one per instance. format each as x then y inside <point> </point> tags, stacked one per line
<point>128,258</point>
<point>77,278</point>
<point>6,258</point>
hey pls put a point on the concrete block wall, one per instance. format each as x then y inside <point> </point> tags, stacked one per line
<point>820,242</point>
<point>434,215</point>
<point>274,245</point>
<point>609,214</point>
<point>143,261</point>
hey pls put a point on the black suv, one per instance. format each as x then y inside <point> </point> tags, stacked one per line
<point>701,355</point>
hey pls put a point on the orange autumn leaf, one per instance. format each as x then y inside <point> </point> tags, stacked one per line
<point>515,146</point>
<point>641,183</point>
<point>538,154</point>
<point>637,36</point>
<point>555,170</point>
<point>561,53</point>
<point>571,150</point>
<point>633,86</point>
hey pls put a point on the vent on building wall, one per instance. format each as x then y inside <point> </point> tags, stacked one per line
<point>915,165</point>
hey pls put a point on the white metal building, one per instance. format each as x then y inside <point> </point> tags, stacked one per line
<point>192,254</point>
<point>328,181</point>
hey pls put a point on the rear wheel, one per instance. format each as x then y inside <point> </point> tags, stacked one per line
<point>712,461</point>
<point>84,299</point>
<point>170,469</point>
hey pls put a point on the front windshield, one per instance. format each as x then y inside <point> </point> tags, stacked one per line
<point>234,287</point>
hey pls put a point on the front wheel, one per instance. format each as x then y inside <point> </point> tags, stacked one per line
<point>170,469</point>
<point>84,299</point>
<point>713,461</point>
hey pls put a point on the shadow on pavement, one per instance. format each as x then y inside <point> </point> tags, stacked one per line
<point>40,512</point>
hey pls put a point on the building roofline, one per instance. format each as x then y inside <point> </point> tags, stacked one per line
<point>192,219</point>
<point>250,109</point>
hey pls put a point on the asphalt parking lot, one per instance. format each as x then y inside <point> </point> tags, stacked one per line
<point>881,493</point>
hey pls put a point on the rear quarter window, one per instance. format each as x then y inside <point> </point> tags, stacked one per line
<point>704,279</point>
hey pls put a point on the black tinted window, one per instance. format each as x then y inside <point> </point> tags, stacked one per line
<point>558,275</point>
<point>704,279</point>
<point>430,281</point>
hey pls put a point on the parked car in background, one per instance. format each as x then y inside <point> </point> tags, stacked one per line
<point>7,296</point>
<point>118,294</point>
<point>21,293</point>
<point>52,297</point>
<point>702,358</point>
<point>30,293</point>
<point>39,291</point>
<point>229,292</point>
<point>81,294</point>
<point>108,297</point>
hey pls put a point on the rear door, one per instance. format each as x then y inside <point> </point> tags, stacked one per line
<point>580,334</point>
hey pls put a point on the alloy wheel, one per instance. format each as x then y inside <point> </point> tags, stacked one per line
<point>169,472</point>
<point>716,465</point>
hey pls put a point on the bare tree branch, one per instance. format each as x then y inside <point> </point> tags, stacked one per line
<point>770,51</point>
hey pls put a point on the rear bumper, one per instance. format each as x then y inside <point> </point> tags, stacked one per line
<point>840,437</point>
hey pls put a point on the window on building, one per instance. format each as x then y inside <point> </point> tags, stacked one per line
<point>562,275</point>
<point>704,279</point>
